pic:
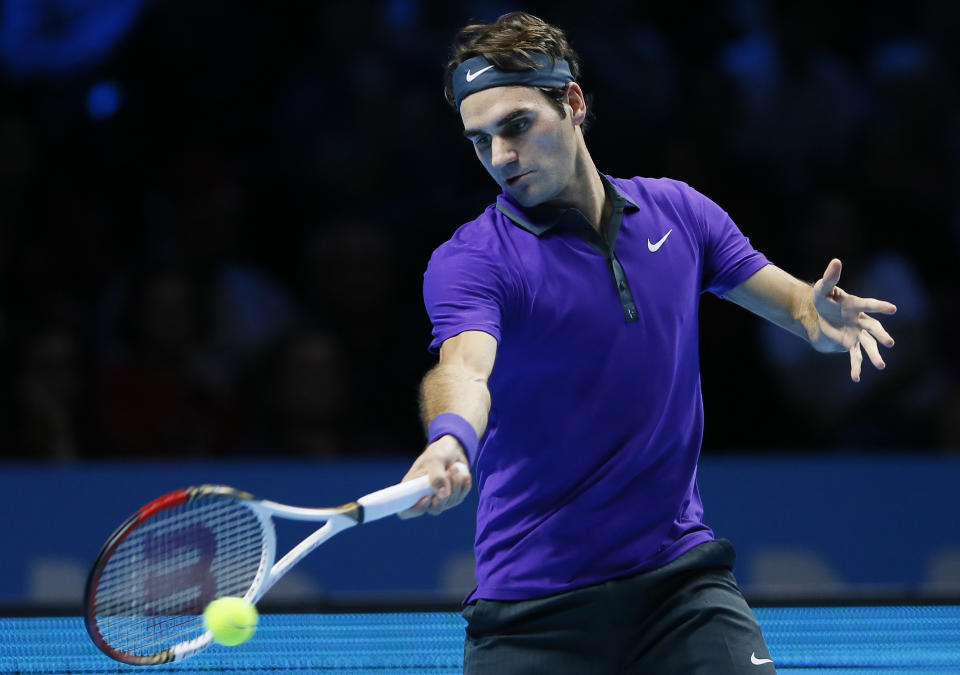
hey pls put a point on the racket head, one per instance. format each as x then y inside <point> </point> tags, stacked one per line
<point>147,589</point>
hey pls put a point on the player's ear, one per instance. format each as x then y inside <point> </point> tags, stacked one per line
<point>577,103</point>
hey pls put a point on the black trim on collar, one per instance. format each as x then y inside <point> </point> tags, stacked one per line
<point>538,227</point>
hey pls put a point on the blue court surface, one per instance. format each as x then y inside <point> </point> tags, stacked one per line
<point>807,640</point>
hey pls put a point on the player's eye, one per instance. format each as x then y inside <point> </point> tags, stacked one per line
<point>481,141</point>
<point>516,128</point>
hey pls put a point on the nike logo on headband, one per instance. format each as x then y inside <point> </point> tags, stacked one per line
<point>472,76</point>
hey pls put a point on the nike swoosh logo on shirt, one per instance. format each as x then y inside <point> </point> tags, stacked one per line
<point>656,247</point>
<point>472,76</point>
<point>758,662</point>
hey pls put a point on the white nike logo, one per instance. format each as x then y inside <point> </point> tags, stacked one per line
<point>758,662</point>
<point>472,76</point>
<point>656,247</point>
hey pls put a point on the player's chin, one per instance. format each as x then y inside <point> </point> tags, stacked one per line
<point>525,195</point>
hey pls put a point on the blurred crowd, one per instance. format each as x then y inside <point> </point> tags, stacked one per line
<point>213,232</point>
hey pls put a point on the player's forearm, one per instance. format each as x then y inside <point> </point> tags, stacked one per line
<point>453,389</point>
<point>781,299</point>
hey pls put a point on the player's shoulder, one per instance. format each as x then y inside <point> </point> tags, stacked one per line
<point>475,245</point>
<point>656,190</point>
<point>482,235</point>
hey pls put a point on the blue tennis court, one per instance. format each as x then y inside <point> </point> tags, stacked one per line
<point>807,640</point>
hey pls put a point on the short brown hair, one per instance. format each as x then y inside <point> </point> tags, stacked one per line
<point>505,43</point>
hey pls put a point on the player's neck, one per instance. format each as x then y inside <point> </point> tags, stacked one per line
<point>585,191</point>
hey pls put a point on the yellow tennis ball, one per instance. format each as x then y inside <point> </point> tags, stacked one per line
<point>231,620</point>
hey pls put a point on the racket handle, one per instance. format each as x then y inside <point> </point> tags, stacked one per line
<point>396,498</point>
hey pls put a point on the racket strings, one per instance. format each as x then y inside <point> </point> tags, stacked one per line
<point>153,589</point>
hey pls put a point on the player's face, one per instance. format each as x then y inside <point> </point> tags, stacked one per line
<point>521,140</point>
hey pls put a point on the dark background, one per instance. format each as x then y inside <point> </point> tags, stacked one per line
<point>215,216</point>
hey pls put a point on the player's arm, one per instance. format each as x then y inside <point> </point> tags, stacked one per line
<point>829,318</point>
<point>457,384</point>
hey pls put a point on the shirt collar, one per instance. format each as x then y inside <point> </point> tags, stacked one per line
<point>538,220</point>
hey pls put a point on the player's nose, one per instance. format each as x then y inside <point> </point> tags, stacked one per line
<point>501,152</point>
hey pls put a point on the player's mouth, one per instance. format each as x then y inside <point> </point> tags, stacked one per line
<point>513,180</point>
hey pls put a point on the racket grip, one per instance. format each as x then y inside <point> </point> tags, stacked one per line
<point>396,498</point>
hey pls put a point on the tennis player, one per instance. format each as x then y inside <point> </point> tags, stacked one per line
<point>565,317</point>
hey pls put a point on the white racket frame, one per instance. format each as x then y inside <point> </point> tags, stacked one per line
<point>374,506</point>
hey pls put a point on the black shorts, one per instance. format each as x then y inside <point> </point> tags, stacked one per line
<point>685,618</point>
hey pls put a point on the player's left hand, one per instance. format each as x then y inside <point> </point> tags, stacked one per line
<point>844,324</point>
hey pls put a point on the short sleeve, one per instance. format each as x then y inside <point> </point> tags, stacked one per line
<point>728,257</point>
<point>462,290</point>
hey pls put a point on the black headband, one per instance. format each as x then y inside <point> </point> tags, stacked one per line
<point>476,74</point>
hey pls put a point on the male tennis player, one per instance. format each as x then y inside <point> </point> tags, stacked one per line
<point>565,317</point>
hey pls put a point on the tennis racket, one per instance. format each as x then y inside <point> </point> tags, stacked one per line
<point>147,590</point>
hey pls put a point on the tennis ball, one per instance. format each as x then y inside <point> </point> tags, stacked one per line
<point>231,620</point>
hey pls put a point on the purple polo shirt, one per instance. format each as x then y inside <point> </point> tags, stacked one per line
<point>587,470</point>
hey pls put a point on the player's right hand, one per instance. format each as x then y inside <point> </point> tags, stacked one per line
<point>450,487</point>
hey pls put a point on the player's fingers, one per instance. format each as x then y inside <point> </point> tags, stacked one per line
<point>436,506</point>
<point>875,329</point>
<point>461,477</point>
<point>416,510</point>
<point>856,359</point>
<point>459,486</point>
<point>874,306</point>
<point>462,483</point>
<point>831,276</point>
<point>439,478</point>
<point>873,353</point>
